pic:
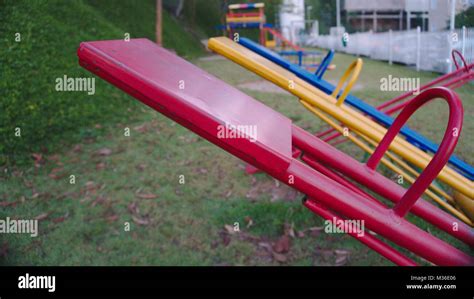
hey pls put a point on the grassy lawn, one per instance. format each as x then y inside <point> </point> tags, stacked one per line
<point>136,182</point>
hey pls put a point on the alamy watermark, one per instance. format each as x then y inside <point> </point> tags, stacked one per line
<point>344,226</point>
<point>229,131</point>
<point>402,84</point>
<point>66,83</point>
<point>28,281</point>
<point>19,226</point>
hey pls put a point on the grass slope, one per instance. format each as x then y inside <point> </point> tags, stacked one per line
<point>50,32</point>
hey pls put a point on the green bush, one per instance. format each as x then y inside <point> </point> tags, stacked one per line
<point>50,33</point>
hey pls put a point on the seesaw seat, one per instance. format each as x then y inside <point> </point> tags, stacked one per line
<point>156,76</point>
<point>190,96</point>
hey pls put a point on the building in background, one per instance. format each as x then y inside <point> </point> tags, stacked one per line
<point>292,19</point>
<point>383,15</point>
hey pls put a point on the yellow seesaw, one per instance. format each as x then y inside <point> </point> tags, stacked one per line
<point>334,107</point>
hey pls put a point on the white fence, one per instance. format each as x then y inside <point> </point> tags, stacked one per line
<point>430,51</point>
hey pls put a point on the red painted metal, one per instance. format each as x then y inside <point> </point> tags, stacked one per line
<point>453,78</point>
<point>379,219</point>
<point>367,239</point>
<point>324,133</point>
<point>337,142</point>
<point>376,182</point>
<point>439,159</point>
<point>453,83</point>
<point>278,35</point>
<point>154,76</point>
<point>249,169</point>
<point>311,161</point>
<point>243,14</point>
<point>455,53</point>
<point>332,136</point>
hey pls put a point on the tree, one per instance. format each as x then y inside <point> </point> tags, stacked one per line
<point>465,18</point>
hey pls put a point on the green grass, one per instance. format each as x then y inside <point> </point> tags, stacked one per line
<point>186,223</point>
<point>51,32</point>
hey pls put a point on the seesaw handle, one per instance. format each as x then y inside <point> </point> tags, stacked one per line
<point>453,54</point>
<point>439,159</point>
<point>324,64</point>
<point>354,69</point>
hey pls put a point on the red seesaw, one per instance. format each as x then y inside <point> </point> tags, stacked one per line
<point>154,76</point>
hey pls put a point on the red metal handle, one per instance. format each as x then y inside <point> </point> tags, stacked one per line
<point>466,67</point>
<point>439,159</point>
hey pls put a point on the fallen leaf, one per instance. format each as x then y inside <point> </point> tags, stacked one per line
<point>147,196</point>
<point>265,245</point>
<point>54,158</point>
<point>98,201</point>
<point>54,174</point>
<point>112,218</point>
<point>229,229</point>
<point>214,244</point>
<point>341,260</point>
<point>8,203</point>
<point>42,216</point>
<point>342,257</point>
<point>90,185</point>
<point>279,257</point>
<point>141,167</point>
<point>142,129</point>
<point>315,231</point>
<point>4,250</point>
<point>249,221</point>
<point>61,219</point>
<point>77,148</point>
<point>282,245</point>
<point>37,157</point>
<point>225,239</point>
<point>133,208</point>
<point>140,221</point>
<point>104,152</point>
<point>289,230</point>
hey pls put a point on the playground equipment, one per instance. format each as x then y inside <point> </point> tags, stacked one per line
<point>252,16</point>
<point>333,106</point>
<point>153,75</point>
<point>314,100</point>
<point>451,80</point>
<point>409,173</point>
<point>247,15</point>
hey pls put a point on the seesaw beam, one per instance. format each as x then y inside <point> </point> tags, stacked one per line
<point>153,75</point>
